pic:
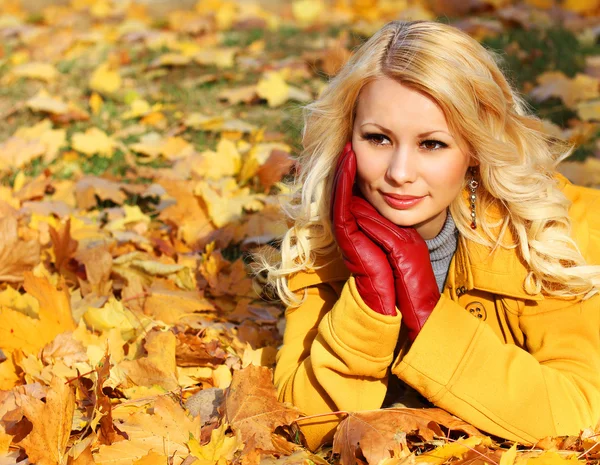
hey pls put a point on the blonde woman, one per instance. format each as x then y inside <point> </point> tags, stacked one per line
<point>434,248</point>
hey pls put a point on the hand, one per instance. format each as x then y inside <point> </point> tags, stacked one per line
<point>365,260</point>
<point>415,287</point>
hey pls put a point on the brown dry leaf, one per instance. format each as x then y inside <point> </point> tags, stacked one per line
<point>173,306</point>
<point>163,429</point>
<point>108,432</point>
<point>159,366</point>
<point>47,442</point>
<point>277,165</point>
<point>65,348</point>
<point>192,351</point>
<point>376,432</point>
<point>186,212</point>
<point>16,255</point>
<point>89,187</point>
<point>252,408</point>
<point>98,265</point>
<point>63,244</point>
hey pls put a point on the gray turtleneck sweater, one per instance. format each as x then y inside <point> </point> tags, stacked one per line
<point>441,249</point>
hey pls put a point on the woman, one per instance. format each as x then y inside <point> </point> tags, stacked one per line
<point>434,246</point>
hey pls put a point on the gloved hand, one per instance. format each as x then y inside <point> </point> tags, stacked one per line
<point>365,260</point>
<point>415,287</point>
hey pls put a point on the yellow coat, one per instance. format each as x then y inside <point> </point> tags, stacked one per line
<point>514,365</point>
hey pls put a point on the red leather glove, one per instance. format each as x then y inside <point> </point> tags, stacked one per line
<point>365,260</point>
<point>415,286</point>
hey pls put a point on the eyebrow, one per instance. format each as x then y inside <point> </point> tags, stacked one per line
<point>423,134</point>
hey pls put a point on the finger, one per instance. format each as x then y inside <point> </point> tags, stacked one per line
<point>342,191</point>
<point>381,230</point>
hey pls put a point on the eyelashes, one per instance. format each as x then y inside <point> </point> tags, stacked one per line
<point>378,140</point>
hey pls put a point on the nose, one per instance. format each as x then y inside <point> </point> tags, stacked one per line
<point>402,167</point>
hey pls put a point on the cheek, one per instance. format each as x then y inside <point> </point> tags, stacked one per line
<point>369,167</point>
<point>450,174</point>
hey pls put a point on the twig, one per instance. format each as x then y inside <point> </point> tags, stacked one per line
<point>310,417</point>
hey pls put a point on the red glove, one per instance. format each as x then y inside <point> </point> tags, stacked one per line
<point>415,286</point>
<point>365,260</point>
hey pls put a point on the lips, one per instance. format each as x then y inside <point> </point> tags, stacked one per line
<point>404,197</point>
<point>401,202</point>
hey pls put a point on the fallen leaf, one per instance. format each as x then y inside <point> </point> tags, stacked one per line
<point>158,367</point>
<point>376,432</point>
<point>252,408</point>
<point>92,141</point>
<point>47,442</point>
<point>16,255</point>
<point>105,79</point>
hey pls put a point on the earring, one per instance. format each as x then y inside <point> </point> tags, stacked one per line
<point>473,184</point>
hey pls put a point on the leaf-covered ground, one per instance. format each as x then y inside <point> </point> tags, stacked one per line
<point>142,159</point>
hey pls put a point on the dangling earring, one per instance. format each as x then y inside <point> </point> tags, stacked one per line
<point>473,184</point>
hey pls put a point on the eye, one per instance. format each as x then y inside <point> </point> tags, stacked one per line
<point>375,138</point>
<point>433,144</point>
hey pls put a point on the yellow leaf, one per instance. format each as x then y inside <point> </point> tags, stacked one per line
<point>96,103</point>
<point>226,161</point>
<point>174,148</point>
<point>589,111</point>
<point>455,449</point>
<point>581,6</point>
<point>220,446</point>
<point>105,80</point>
<point>133,214</point>
<point>47,442</point>
<point>549,458</point>
<point>158,367</point>
<point>35,70</point>
<point>93,141</point>
<point>509,456</point>
<point>152,458</point>
<point>273,88</point>
<point>308,11</point>
<point>23,303</point>
<point>138,107</point>
<point>221,377</point>
<point>43,101</point>
<point>222,58</point>
<point>17,256</point>
<point>113,315</point>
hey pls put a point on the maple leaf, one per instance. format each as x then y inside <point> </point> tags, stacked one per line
<point>376,432</point>
<point>159,366</point>
<point>47,442</point>
<point>63,244</point>
<point>221,447</point>
<point>16,255</point>
<point>19,331</point>
<point>252,408</point>
<point>277,165</point>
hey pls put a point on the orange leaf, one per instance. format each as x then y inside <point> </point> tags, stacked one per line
<point>277,165</point>
<point>47,442</point>
<point>252,408</point>
<point>375,432</point>
<point>63,244</point>
<point>16,255</point>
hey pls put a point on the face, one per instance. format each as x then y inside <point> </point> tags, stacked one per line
<point>409,165</point>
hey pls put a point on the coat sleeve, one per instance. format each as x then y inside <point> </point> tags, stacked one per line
<point>550,387</point>
<point>336,355</point>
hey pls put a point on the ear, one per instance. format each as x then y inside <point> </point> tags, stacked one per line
<point>473,162</point>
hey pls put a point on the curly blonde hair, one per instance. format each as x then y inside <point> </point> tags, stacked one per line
<point>517,160</point>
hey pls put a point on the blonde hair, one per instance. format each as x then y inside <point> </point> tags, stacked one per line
<point>517,160</point>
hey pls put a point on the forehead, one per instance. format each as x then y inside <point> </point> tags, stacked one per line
<point>385,99</point>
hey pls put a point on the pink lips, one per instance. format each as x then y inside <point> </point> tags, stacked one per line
<point>401,202</point>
